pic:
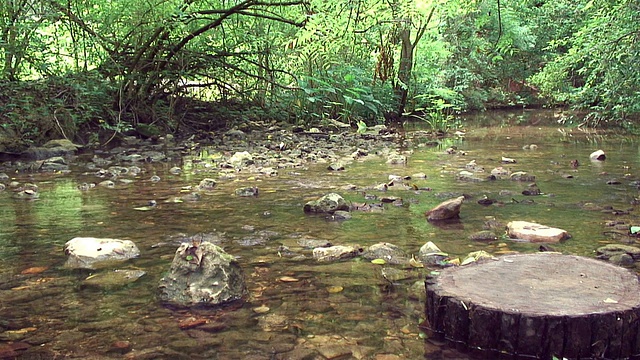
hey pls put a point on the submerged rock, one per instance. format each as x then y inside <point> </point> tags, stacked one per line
<point>522,176</point>
<point>533,232</point>
<point>89,252</point>
<point>313,243</point>
<point>202,274</point>
<point>610,251</point>
<point>390,253</point>
<point>333,253</point>
<point>53,148</point>
<point>56,163</point>
<point>247,191</point>
<point>113,279</point>
<point>446,210</point>
<point>484,235</point>
<point>339,215</point>
<point>207,184</point>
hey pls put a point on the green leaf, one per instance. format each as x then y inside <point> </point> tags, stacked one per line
<point>362,128</point>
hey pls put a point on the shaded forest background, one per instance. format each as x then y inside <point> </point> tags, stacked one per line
<point>88,70</point>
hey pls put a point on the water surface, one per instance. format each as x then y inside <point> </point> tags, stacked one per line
<point>346,307</point>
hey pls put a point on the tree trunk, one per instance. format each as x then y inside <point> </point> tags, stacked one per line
<point>537,306</point>
<point>404,69</point>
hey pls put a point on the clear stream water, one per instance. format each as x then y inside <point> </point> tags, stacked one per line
<point>345,308</point>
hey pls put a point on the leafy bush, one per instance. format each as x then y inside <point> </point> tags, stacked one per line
<point>342,94</point>
<point>438,109</point>
<point>54,107</point>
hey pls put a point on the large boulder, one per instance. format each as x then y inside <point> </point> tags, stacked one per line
<point>328,204</point>
<point>449,209</point>
<point>202,274</point>
<point>533,232</point>
<point>90,253</point>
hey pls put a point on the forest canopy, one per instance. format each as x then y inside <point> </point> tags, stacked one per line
<point>163,65</point>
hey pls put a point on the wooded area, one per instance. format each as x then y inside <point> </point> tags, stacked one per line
<point>165,66</point>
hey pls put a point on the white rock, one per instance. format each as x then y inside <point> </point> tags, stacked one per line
<point>597,156</point>
<point>534,232</point>
<point>240,158</point>
<point>85,252</point>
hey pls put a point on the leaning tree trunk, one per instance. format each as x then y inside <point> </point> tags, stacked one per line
<point>407,51</point>
<point>404,69</point>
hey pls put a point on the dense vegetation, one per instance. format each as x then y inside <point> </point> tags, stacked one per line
<point>70,67</point>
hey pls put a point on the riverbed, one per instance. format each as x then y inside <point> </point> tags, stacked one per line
<point>298,308</point>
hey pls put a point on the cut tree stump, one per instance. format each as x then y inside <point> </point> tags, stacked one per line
<point>537,306</point>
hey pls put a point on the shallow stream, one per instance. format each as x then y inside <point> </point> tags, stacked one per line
<point>297,309</point>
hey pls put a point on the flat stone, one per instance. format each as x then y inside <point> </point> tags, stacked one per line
<point>533,232</point>
<point>334,253</point>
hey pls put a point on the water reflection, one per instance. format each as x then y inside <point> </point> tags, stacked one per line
<point>53,311</point>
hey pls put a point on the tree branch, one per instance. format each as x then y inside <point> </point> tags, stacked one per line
<point>72,17</point>
<point>223,15</point>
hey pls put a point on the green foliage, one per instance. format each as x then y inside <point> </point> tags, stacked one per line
<point>595,68</point>
<point>141,63</point>
<point>439,109</point>
<point>343,94</point>
<point>55,107</point>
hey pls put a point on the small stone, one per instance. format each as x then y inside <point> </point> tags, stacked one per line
<point>261,309</point>
<point>622,260</point>
<point>598,155</point>
<point>207,184</point>
<point>120,347</point>
<point>484,235</point>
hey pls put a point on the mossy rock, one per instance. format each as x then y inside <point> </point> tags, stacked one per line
<point>148,131</point>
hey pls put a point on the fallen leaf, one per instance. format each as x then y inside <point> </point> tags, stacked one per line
<point>144,208</point>
<point>34,270</point>
<point>415,262</point>
<point>191,323</point>
<point>21,331</point>
<point>610,301</point>
<point>288,279</point>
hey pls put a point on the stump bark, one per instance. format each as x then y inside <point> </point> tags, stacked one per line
<point>537,306</point>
